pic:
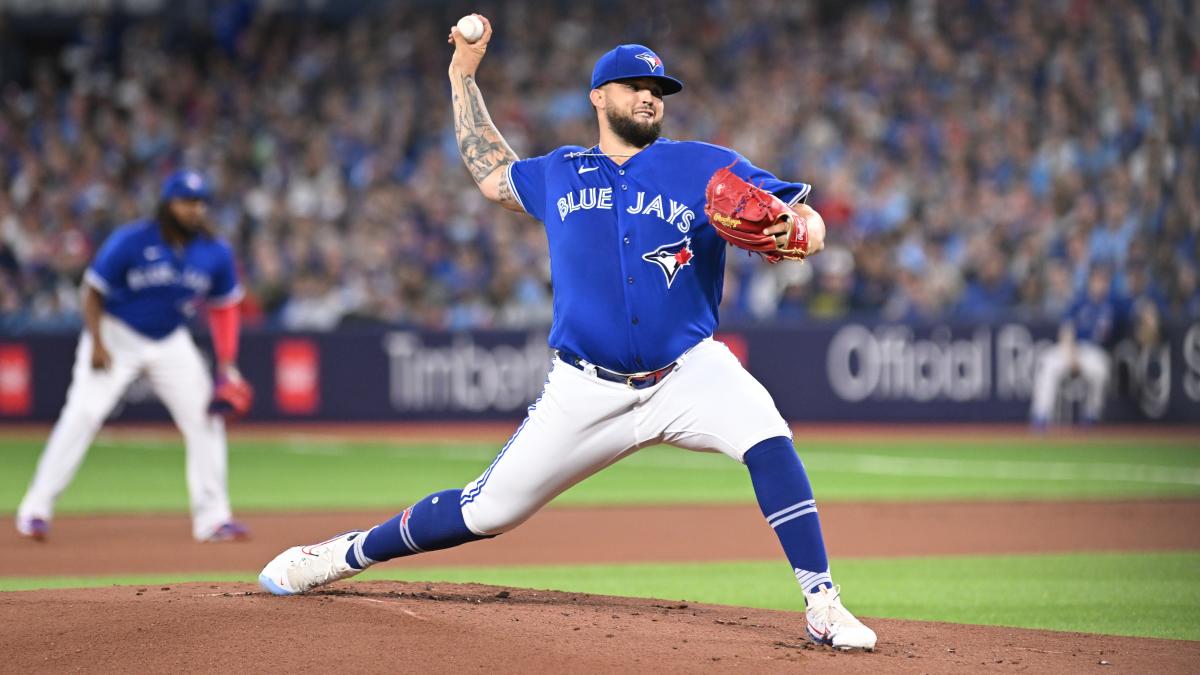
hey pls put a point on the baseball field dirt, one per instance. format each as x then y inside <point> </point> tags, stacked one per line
<point>441,628</point>
<point>389,626</point>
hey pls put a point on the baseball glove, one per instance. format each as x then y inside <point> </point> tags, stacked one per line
<point>739,212</point>
<point>232,397</point>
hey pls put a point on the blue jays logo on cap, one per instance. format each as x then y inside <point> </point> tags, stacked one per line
<point>671,258</point>
<point>630,61</point>
<point>651,60</point>
<point>185,184</point>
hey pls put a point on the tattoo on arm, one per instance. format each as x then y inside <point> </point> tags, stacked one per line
<point>482,147</point>
<point>506,194</point>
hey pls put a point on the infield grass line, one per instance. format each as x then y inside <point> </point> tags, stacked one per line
<point>883,465</point>
<point>854,462</point>
<point>139,475</point>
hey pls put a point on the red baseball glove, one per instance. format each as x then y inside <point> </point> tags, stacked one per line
<point>739,212</point>
<point>232,396</point>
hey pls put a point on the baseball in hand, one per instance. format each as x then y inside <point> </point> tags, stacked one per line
<point>471,28</point>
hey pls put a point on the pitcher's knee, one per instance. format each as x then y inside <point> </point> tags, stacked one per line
<point>487,519</point>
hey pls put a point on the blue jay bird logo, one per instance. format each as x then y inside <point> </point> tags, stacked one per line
<point>670,258</point>
<point>651,60</point>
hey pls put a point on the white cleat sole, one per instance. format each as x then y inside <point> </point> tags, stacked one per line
<point>826,642</point>
<point>271,587</point>
<point>273,577</point>
<point>861,645</point>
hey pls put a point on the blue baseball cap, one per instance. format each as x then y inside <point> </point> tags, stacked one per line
<point>185,184</point>
<point>630,61</point>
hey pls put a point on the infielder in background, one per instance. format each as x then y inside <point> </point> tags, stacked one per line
<point>148,278</point>
<point>1080,349</point>
<point>638,271</point>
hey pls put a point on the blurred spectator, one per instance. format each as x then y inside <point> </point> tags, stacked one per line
<point>1185,292</point>
<point>1080,350</point>
<point>990,290</point>
<point>972,160</point>
<point>835,281</point>
<point>1142,364</point>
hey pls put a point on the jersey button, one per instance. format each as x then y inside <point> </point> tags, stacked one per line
<point>624,187</point>
<point>622,172</point>
<point>635,321</point>
<point>631,279</point>
<point>626,240</point>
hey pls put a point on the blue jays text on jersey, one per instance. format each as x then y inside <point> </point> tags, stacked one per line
<point>153,287</point>
<point>637,271</point>
<point>674,213</point>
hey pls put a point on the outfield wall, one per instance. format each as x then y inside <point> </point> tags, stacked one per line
<point>844,372</point>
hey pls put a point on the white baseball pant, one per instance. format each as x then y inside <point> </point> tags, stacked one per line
<point>1053,367</point>
<point>582,424</point>
<point>179,377</point>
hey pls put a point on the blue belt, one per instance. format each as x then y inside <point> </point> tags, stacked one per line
<point>635,381</point>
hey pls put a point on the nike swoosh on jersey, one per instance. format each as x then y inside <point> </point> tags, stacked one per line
<point>585,169</point>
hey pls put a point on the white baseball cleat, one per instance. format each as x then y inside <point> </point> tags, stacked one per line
<point>303,568</point>
<point>830,623</point>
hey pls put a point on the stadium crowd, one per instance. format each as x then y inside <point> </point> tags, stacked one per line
<point>972,160</point>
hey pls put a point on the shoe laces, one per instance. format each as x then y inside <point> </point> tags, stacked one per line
<point>323,563</point>
<point>829,608</point>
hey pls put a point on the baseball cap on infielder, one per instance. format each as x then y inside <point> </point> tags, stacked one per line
<point>185,184</point>
<point>629,61</point>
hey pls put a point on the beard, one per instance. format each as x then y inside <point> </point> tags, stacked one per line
<point>629,129</point>
<point>188,231</point>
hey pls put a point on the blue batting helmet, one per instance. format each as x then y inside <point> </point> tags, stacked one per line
<point>186,184</point>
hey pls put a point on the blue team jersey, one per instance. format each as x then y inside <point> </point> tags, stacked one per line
<point>155,288</point>
<point>636,267</point>
<point>1093,320</point>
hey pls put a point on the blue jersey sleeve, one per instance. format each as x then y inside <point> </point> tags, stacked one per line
<point>225,288</point>
<point>527,178</point>
<point>112,261</point>
<point>790,193</point>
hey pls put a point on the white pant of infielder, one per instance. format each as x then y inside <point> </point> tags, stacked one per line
<point>1053,367</point>
<point>180,378</point>
<point>582,424</point>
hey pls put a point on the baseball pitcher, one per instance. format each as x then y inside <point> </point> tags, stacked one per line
<point>147,280</point>
<point>638,227</point>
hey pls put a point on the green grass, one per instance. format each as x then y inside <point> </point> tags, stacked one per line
<point>1146,594</point>
<point>1150,594</point>
<point>1143,594</point>
<point>132,474</point>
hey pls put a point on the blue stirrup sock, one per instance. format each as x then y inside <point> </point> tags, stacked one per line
<point>434,523</point>
<point>786,499</point>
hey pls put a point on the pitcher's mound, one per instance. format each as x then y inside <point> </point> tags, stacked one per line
<point>386,626</point>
